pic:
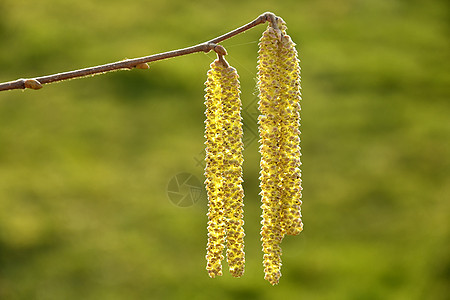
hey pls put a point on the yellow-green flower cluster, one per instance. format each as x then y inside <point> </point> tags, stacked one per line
<point>223,171</point>
<point>279,93</point>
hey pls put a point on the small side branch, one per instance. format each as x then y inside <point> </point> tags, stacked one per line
<point>259,20</point>
<point>139,63</point>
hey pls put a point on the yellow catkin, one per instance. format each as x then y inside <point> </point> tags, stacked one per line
<point>290,150</point>
<point>279,92</point>
<point>223,171</point>
<point>214,165</point>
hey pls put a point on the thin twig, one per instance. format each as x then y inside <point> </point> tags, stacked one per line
<point>38,82</point>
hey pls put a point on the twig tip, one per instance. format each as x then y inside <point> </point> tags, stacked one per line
<point>267,16</point>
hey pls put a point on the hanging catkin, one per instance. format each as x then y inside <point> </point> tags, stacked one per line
<point>290,150</point>
<point>279,93</point>
<point>223,171</point>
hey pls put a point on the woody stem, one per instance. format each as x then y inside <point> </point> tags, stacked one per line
<point>37,82</point>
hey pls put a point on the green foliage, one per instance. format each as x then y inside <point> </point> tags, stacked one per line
<point>84,164</point>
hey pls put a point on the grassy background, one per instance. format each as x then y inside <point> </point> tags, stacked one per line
<point>84,165</point>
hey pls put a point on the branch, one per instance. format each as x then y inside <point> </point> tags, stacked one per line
<point>139,63</point>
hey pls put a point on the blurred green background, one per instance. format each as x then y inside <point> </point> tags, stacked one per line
<point>85,164</point>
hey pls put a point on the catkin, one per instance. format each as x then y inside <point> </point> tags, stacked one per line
<point>280,176</point>
<point>290,150</point>
<point>214,165</point>
<point>223,171</point>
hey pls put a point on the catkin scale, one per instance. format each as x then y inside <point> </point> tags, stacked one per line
<point>280,175</point>
<point>223,171</point>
